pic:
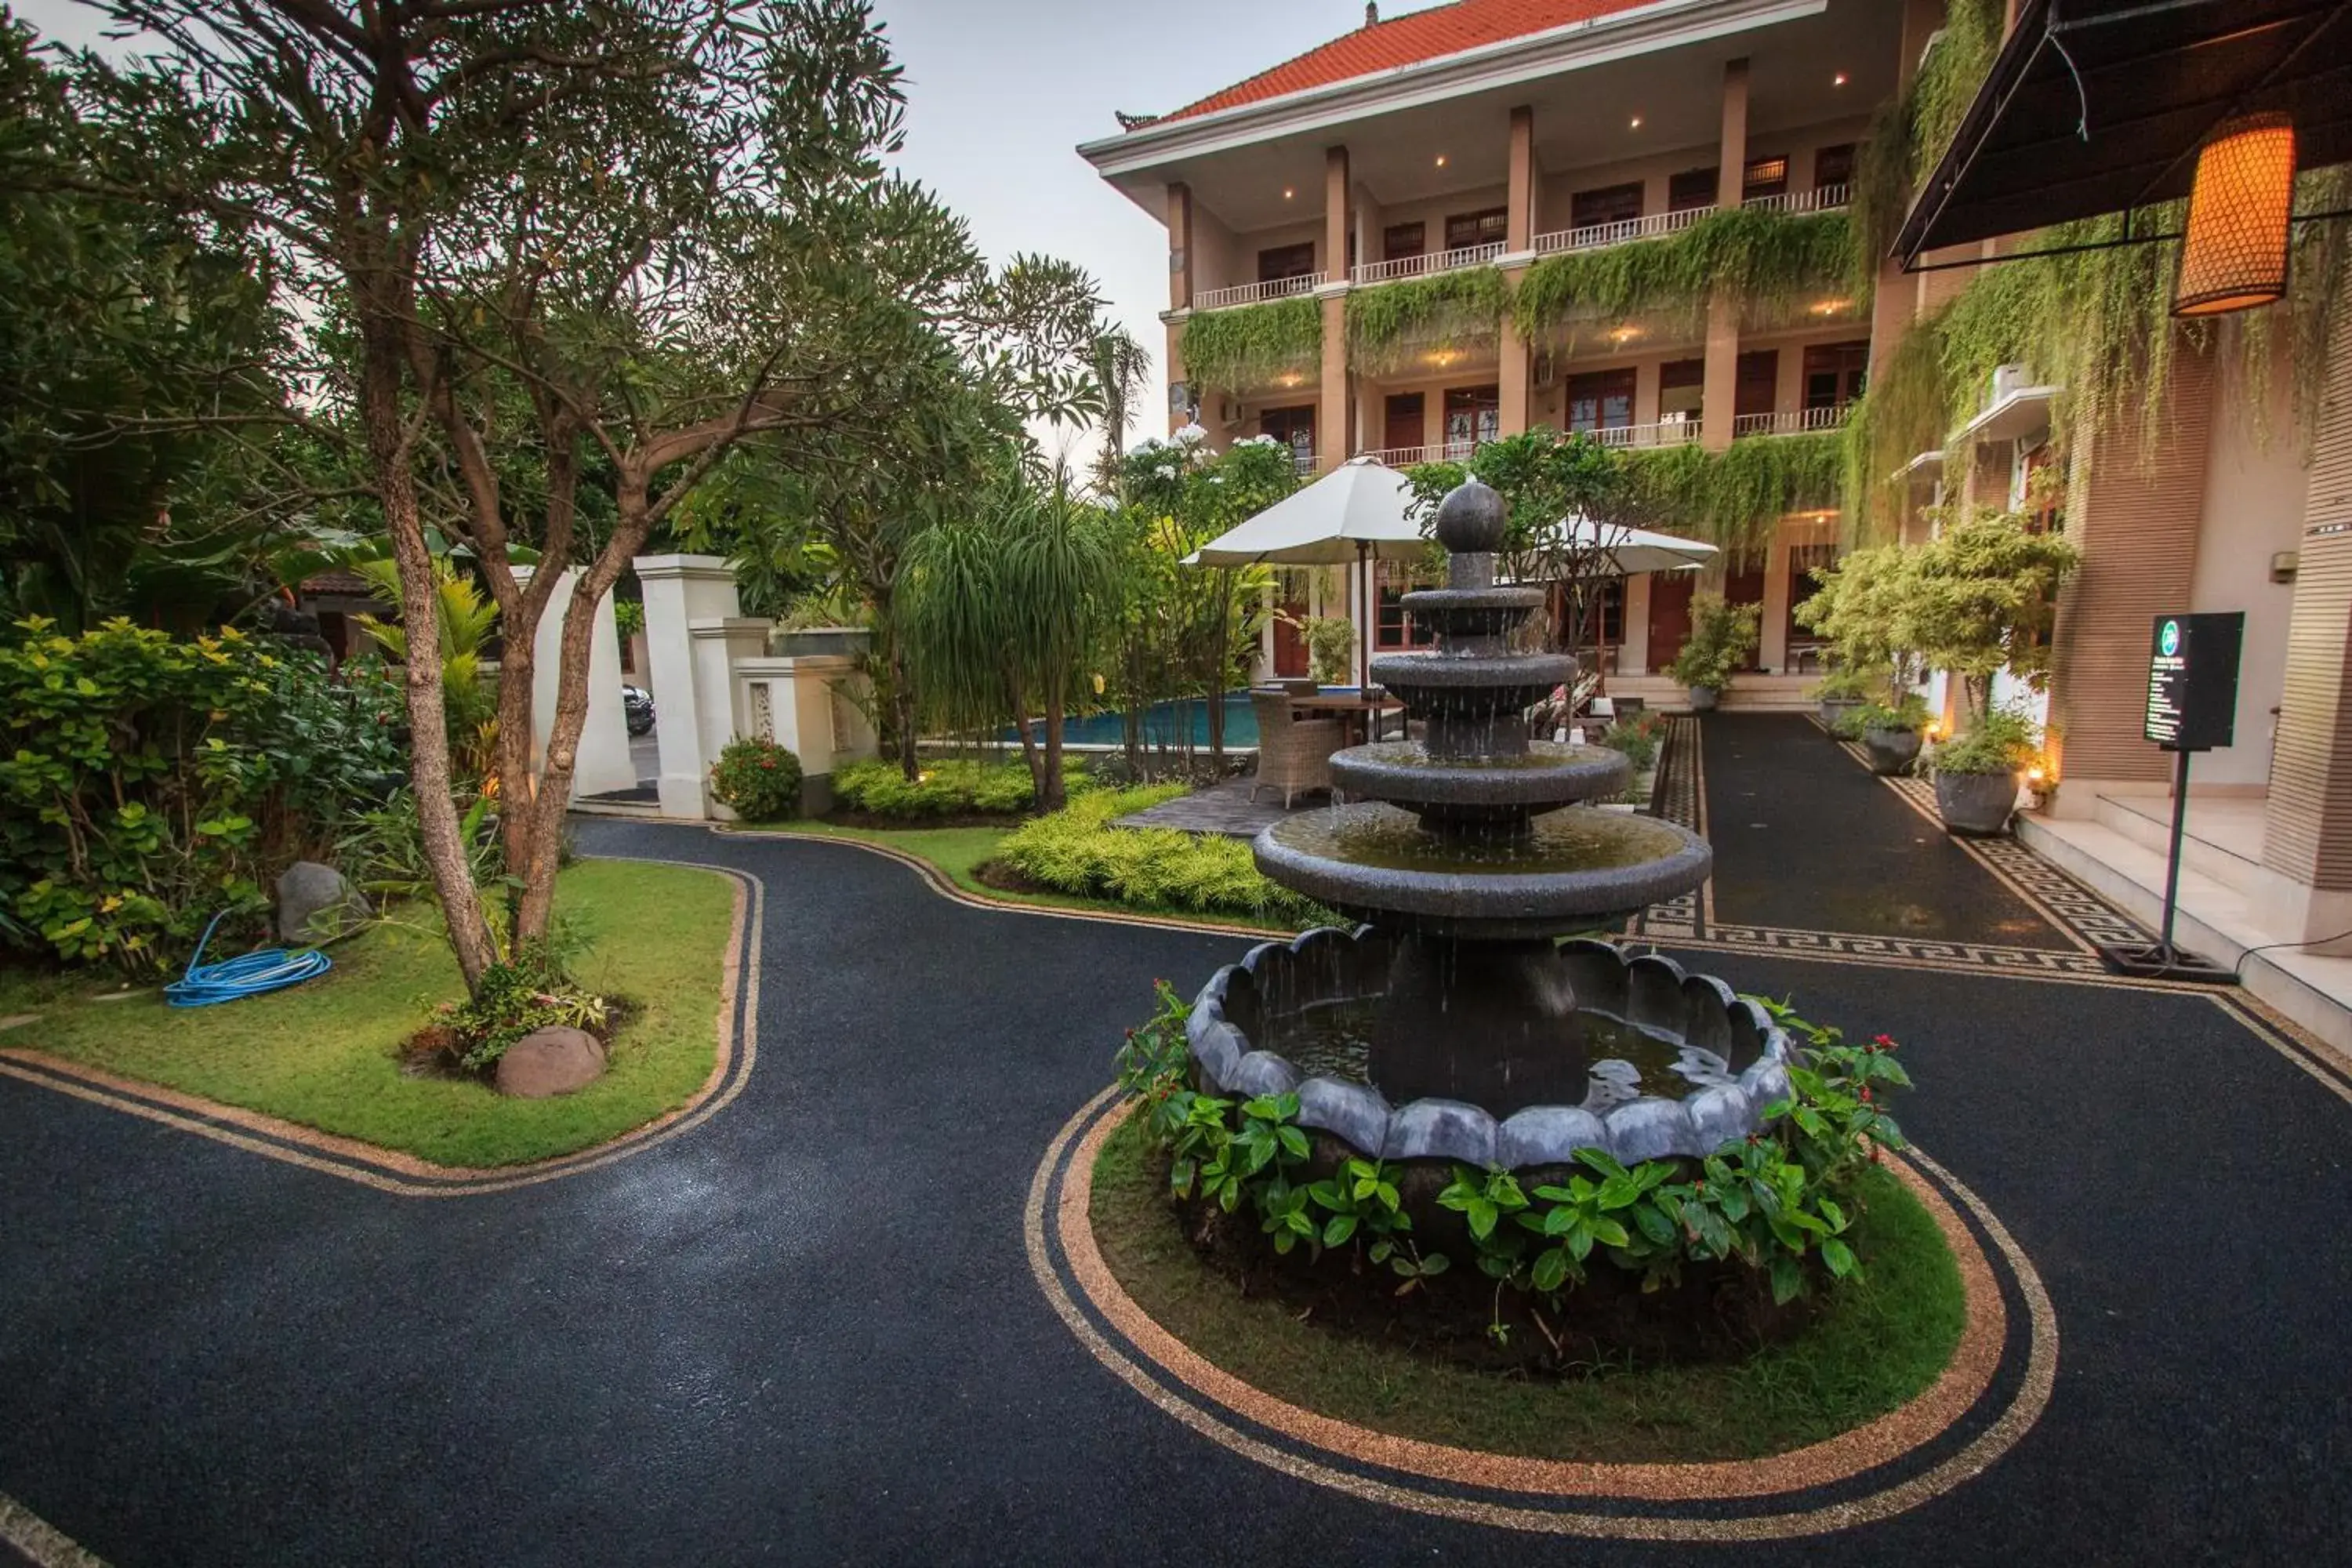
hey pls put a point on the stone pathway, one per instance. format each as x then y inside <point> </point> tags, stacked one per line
<point>807,1331</point>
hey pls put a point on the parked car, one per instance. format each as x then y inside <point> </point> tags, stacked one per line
<point>638,709</point>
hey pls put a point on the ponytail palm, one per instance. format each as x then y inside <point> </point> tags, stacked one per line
<point>1002,610</point>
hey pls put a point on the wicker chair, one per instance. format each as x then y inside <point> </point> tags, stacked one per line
<point>1293,754</point>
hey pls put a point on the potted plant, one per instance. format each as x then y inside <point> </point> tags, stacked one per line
<point>1842,693</point>
<point>1977,772</point>
<point>1330,649</point>
<point>1722,640</point>
<point>1891,733</point>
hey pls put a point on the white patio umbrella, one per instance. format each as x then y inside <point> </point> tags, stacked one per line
<point>1358,512</point>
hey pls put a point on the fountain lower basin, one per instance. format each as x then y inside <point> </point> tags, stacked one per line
<point>1649,1062</point>
<point>1577,868</point>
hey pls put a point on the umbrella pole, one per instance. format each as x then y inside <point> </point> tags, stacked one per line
<point>1364,626</point>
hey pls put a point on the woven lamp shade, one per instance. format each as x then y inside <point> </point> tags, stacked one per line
<point>2234,255</point>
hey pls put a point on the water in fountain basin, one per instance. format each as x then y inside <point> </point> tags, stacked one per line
<point>1333,1039</point>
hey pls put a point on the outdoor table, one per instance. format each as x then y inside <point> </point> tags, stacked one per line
<point>1353,707</point>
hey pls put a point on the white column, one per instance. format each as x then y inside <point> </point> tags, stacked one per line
<point>680,590</point>
<point>718,643</point>
<point>602,759</point>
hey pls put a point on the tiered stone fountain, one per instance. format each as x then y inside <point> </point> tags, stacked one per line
<point>1454,1025</point>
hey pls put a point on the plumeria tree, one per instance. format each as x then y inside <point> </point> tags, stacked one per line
<point>558,260</point>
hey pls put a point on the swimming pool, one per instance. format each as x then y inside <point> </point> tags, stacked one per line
<point>1166,724</point>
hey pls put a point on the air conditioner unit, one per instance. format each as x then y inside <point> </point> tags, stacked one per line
<point>2009,378</point>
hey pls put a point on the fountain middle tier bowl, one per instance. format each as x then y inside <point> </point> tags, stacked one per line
<point>1579,868</point>
<point>1546,775</point>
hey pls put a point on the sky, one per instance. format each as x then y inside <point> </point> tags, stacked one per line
<point>999,94</point>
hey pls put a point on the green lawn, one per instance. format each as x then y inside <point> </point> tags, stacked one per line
<point>326,1054</point>
<point>960,852</point>
<point>1878,1342</point>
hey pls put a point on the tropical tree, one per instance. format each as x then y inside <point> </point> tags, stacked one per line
<point>124,336</point>
<point>1981,596</point>
<point>570,251</point>
<point>1861,609</point>
<point>1002,610</point>
<point>1186,631</point>
<point>1547,478</point>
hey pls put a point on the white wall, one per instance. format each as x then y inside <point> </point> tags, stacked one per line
<point>2255,485</point>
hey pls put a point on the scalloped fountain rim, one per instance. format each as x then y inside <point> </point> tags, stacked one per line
<point>1648,1128</point>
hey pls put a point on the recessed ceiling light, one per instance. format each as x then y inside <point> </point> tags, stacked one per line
<point>1288,192</point>
<point>1838,80</point>
<point>1441,160</point>
<point>1637,122</point>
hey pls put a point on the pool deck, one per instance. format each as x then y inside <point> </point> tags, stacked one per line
<point>1223,808</point>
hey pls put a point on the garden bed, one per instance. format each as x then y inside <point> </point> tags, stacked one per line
<point>1353,1350</point>
<point>328,1054</point>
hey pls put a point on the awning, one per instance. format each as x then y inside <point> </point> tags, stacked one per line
<point>2098,106</point>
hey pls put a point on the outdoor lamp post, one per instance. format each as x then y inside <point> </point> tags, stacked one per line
<point>2234,254</point>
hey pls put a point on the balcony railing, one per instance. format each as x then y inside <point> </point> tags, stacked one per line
<point>1251,293</point>
<point>1665,432</point>
<point>1598,235</point>
<point>1788,421</point>
<point>1593,237</point>
<point>1821,199</point>
<point>1406,457</point>
<point>1433,261</point>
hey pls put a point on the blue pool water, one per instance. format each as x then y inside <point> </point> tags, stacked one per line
<point>1166,724</point>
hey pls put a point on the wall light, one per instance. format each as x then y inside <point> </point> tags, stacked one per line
<point>1831,307</point>
<point>1838,80</point>
<point>2234,255</point>
<point>1637,123</point>
<point>1288,192</point>
<point>1441,160</point>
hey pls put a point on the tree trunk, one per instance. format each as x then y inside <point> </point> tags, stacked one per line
<point>902,704</point>
<point>382,371</point>
<point>1051,795</point>
<point>575,651</point>
<point>1029,753</point>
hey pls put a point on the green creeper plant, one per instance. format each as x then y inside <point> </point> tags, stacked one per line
<point>1252,345</point>
<point>1775,263</point>
<point>1390,323</point>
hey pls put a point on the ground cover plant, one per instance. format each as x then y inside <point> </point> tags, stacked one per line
<point>1781,1290</point>
<point>148,783</point>
<point>1077,851</point>
<point>328,1054</point>
<point>947,788</point>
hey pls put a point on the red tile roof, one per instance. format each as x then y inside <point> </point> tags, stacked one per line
<point>1407,40</point>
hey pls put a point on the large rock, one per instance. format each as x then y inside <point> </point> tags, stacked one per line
<point>315,901</point>
<point>551,1061</point>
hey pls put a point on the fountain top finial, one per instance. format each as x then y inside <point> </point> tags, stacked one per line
<point>1471,519</point>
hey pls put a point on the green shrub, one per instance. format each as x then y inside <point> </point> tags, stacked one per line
<point>954,786</point>
<point>1077,851</point>
<point>2002,742</point>
<point>1639,737</point>
<point>1331,649</point>
<point>1776,1204</point>
<point>1850,683</point>
<point>1722,636</point>
<point>529,990</point>
<point>757,780</point>
<point>147,783</point>
<point>1909,713</point>
<point>383,849</point>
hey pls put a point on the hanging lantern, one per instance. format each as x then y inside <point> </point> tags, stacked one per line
<point>2233,256</point>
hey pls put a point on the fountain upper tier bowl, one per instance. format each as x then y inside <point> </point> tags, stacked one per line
<point>1576,869</point>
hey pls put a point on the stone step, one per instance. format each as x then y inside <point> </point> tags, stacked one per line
<point>2147,821</point>
<point>2215,920</point>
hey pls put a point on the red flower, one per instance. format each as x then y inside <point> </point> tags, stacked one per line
<point>767,761</point>
<point>1865,1094</point>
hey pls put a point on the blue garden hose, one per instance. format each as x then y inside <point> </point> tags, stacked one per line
<point>272,969</point>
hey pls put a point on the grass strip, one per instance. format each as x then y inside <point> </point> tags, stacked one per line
<point>327,1053</point>
<point>1878,1342</point>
